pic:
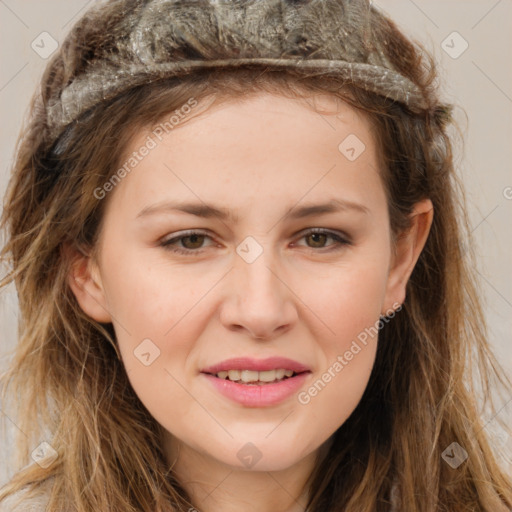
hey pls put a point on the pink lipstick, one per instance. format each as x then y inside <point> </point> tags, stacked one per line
<point>257,382</point>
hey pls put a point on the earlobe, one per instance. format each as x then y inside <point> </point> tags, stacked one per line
<point>407,251</point>
<point>85,283</point>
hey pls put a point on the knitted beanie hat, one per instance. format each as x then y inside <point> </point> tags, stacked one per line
<point>120,44</point>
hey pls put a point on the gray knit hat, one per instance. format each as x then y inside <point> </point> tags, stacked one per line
<point>149,40</point>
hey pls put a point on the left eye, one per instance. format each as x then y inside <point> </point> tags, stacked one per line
<point>192,241</point>
<point>319,236</point>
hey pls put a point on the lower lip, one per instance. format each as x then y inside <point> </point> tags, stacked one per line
<point>263,395</point>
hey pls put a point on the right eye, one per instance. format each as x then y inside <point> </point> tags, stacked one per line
<point>191,242</point>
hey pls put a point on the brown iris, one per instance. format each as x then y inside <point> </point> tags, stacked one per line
<point>196,239</point>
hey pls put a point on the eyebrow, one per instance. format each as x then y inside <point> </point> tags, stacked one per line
<point>209,211</point>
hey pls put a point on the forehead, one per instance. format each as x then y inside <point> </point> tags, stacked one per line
<point>260,145</point>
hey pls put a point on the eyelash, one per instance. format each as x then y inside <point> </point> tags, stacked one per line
<point>168,244</point>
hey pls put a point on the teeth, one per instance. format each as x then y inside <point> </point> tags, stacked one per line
<point>249,376</point>
<point>270,375</point>
<point>234,374</point>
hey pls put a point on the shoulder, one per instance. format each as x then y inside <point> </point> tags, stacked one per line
<point>27,500</point>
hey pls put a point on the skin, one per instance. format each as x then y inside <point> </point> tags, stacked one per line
<point>305,298</point>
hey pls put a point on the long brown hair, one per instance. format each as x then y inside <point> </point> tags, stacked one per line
<point>66,379</point>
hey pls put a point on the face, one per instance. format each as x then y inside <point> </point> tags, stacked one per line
<point>256,231</point>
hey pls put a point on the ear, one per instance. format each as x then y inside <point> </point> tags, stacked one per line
<point>85,282</point>
<point>409,245</point>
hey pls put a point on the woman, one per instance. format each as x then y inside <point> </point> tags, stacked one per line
<point>235,235</point>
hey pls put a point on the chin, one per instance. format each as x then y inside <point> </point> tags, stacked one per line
<point>261,455</point>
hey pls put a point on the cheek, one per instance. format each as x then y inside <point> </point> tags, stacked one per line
<point>151,300</point>
<point>349,305</point>
<point>334,392</point>
<point>348,299</point>
<point>146,292</point>
<point>158,315</point>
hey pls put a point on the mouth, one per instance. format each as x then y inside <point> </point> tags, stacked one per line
<point>255,378</point>
<point>257,382</point>
<point>250,371</point>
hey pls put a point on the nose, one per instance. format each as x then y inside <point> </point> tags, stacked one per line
<point>258,300</point>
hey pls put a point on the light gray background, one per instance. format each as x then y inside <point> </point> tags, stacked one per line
<point>479,82</point>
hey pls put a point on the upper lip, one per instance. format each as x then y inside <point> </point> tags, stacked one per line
<point>259,365</point>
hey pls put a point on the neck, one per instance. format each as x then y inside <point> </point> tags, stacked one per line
<point>217,487</point>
